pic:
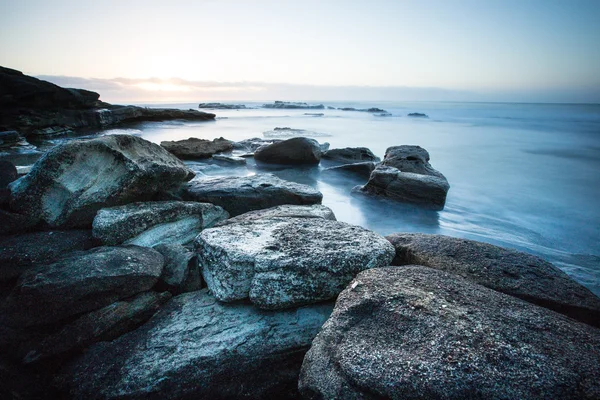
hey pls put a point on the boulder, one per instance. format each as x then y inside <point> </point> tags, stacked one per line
<point>508,271</point>
<point>413,159</point>
<point>238,195</point>
<point>287,262</point>
<point>419,333</point>
<point>198,348</point>
<point>293,151</point>
<point>180,273</point>
<point>19,253</point>
<point>197,148</point>
<point>314,211</point>
<point>152,223</point>
<point>105,324</point>
<point>362,169</point>
<point>82,282</point>
<point>71,182</point>
<point>8,173</point>
<point>350,155</point>
<point>424,190</point>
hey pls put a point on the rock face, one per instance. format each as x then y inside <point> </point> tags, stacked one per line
<point>71,182</point>
<point>196,347</point>
<point>152,223</point>
<point>197,148</point>
<point>350,155</point>
<point>294,106</point>
<point>292,151</point>
<point>181,272</point>
<point>362,169</point>
<point>21,252</point>
<point>238,195</point>
<point>8,173</point>
<point>287,262</point>
<point>508,271</point>
<point>415,332</point>
<point>82,282</point>
<point>105,324</point>
<point>413,159</point>
<point>314,211</point>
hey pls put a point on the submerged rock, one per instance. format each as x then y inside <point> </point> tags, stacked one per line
<point>293,151</point>
<point>287,262</point>
<point>371,110</point>
<point>197,148</point>
<point>286,132</point>
<point>508,271</point>
<point>350,155</point>
<point>152,223</point>
<point>416,332</point>
<point>294,106</point>
<point>71,182</point>
<point>196,347</point>
<point>314,211</point>
<point>362,169</point>
<point>82,282</point>
<point>418,115</point>
<point>238,195</point>
<point>235,160</point>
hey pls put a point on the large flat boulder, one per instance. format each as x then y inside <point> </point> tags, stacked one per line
<point>287,262</point>
<point>295,151</point>
<point>82,282</point>
<point>238,195</point>
<point>151,223</point>
<point>508,271</point>
<point>71,182</point>
<point>350,155</point>
<point>314,211</point>
<point>198,348</point>
<point>197,148</point>
<point>19,253</point>
<point>420,333</point>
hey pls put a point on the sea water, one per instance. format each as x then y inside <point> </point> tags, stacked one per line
<point>524,176</point>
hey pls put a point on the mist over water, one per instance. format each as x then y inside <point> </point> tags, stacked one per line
<point>525,176</point>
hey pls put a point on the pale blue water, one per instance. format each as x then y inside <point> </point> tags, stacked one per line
<point>525,176</point>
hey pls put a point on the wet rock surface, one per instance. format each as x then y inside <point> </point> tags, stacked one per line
<point>350,155</point>
<point>413,159</point>
<point>362,169</point>
<point>151,223</point>
<point>196,347</point>
<point>238,195</point>
<point>508,271</point>
<point>416,332</point>
<point>287,262</point>
<point>293,151</point>
<point>314,211</point>
<point>71,182</point>
<point>197,148</point>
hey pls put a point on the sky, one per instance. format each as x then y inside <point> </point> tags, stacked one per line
<point>201,50</point>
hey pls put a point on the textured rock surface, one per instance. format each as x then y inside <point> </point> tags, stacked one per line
<point>350,155</point>
<point>71,182</point>
<point>413,159</point>
<point>362,169</point>
<point>198,348</point>
<point>21,252</point>
<point>286,262</point>
<point>314,211</point>
<point>508,271</point>
<point>152,223</point>
<point>238,195</point>
<point>105,324</point>
<point>197,148</point>
<point>181,272</point>
<point>299,150</point>
<point>419,333</point>
<point>82,282</point>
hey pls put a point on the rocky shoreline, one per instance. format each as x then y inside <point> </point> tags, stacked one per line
<point>125,275</point>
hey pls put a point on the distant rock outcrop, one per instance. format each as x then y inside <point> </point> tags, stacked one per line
<point>221,106</point>
<point>294,106</point>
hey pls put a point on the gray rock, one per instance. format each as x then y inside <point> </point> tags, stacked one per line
<point>105,324</point>
<point>152,223</point>
<point>221,106</point>
<point>238,195</point>
<point>425,190</point>
<point>362,169</point>
<point>294,105</point>
<point>417,115</point>
<point>8,173</point>
<point>314,211</point>
<point>71,182</point>
<point>413,159</point>
<point>293,151</point>
<point>229,159</point>
<point>198,348</point>
<point>287,132</point>
<point>287,262</point>
<point>350,155</point>
<point>197,148</point>
<point>508,271</point>
<point>180,266</point>
<point>250,145</point>
<point>19,253</point>
<point>82,282</point>
<point>419,333</point>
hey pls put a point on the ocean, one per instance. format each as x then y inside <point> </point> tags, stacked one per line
<point>523,176</point>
